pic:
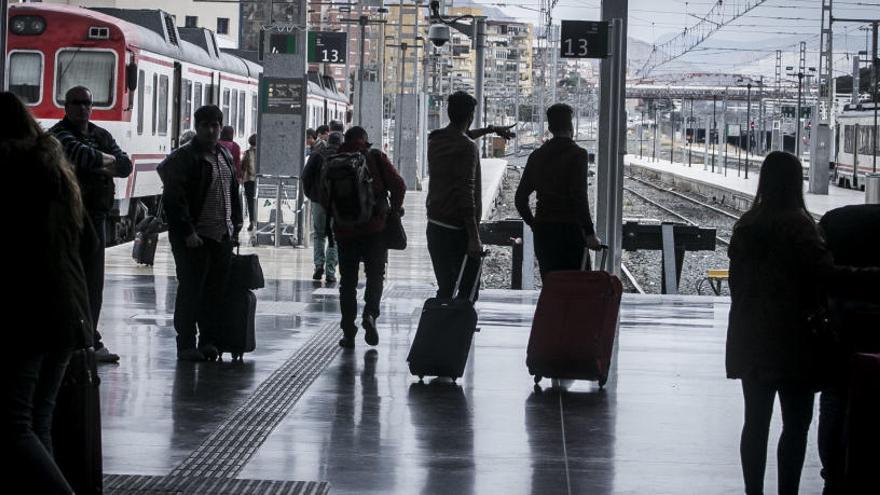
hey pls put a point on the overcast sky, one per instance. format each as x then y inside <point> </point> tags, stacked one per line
<point>776,24</point>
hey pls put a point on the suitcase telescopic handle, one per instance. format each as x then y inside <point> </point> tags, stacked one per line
<point>455,291</point>
<point>603,248</point>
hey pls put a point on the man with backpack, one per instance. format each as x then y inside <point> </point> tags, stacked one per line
<point>355,187</point>
<point>324,252</point>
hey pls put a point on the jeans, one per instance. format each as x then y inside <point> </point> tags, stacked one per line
<point>202,274</point>
<point>352,252</point>
<point>323,259</point>
<point>447,248</point>
<point>797,412</point>
<point>559,246</point>
<point>94,272</point>
<point>31,383</point>
<point>250,195</point>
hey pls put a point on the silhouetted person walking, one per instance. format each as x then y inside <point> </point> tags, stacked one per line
<point>779,271</point>
<point>455,202</point>
<point>557,173</point>
<point>361,241</point>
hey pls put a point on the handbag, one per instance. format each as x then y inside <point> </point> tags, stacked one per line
<point>394,236</point>
<point>246,272</point>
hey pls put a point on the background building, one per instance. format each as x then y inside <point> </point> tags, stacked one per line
<point>220,17</point>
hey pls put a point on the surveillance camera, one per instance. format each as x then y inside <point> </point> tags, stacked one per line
<point>438,34</point>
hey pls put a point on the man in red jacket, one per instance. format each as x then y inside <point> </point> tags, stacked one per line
<point>363,242</point>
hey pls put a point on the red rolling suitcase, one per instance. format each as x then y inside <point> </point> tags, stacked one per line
<point>575,322</point>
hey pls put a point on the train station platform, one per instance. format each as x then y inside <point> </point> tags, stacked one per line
<point>729,187</point>
<point>301,415</point>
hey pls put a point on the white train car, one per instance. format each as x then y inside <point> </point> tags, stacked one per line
<point>857,146</point>
<point>147,78</point>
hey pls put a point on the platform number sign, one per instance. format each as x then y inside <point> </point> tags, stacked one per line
<point>584,39</point>
<point>327,47</point>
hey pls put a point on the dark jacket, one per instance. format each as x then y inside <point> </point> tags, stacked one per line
<point>455,177</point>
<point>311,174</point>
<point>84,152</point>
<point>385,180</point>
<point>853,234</point>
<point>55,286</point>
<point>779,274</point>
<point>186,177</point>
<point>557,173</point>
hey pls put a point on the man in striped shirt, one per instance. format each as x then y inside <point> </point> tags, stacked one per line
<point>97,159</point>
<point>203,210</point>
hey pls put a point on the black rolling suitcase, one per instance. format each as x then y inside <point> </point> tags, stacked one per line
<point>446,330</point>
<point>146,238</point>
<point>76,427</point>
<point>236,331</point>
<point>143,251</point>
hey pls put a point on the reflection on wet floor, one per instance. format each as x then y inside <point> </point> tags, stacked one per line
<point>299,409</point>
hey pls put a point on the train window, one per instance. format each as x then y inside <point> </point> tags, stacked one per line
<point>95,70</point>
<point>225,107</point>
<point>848,139</point>
<point>241,112</point>
<point>197,96</point>
<point>222,25</point>
<point>26,76</point>
<point>253,113</point>
<point>140,102</point>
<point>155,100</point>
<point>163,105</point>
<point>865,138</point>
<point>186,108</point>
<point>232,117</point>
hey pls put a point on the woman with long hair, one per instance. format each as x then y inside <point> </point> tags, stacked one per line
<point>53,299</point>
<point>780,271</point>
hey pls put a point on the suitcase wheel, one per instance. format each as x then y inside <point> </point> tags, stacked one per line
<point>237,356</point>
<point>421,378</point>
<point>538,379</point>
<point>602,382</point>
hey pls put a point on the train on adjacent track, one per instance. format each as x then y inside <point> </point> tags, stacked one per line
<point>147,77</point>
<point>856,154</point>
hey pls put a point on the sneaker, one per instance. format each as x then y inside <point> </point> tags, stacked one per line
<point>190,354</point>
<point>103,355</point>
<point>371,336</point>
<point>331,278</point>
<point>209,351</point>
<point>347,342</point>
<point>319,272</point>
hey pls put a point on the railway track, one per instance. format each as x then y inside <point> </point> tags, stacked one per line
<point>649,199</point>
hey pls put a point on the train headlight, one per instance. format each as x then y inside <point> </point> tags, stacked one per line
<point>27,25</point>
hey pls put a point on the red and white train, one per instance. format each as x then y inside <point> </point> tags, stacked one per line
<point>856,154</point>
<point>147,78</point>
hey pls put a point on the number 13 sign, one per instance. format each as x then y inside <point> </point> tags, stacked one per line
<point>584,39</point>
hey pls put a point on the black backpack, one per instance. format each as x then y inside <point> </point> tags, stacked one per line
<point>347,188</point>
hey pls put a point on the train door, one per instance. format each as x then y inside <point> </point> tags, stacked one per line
<point>175,106</point>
